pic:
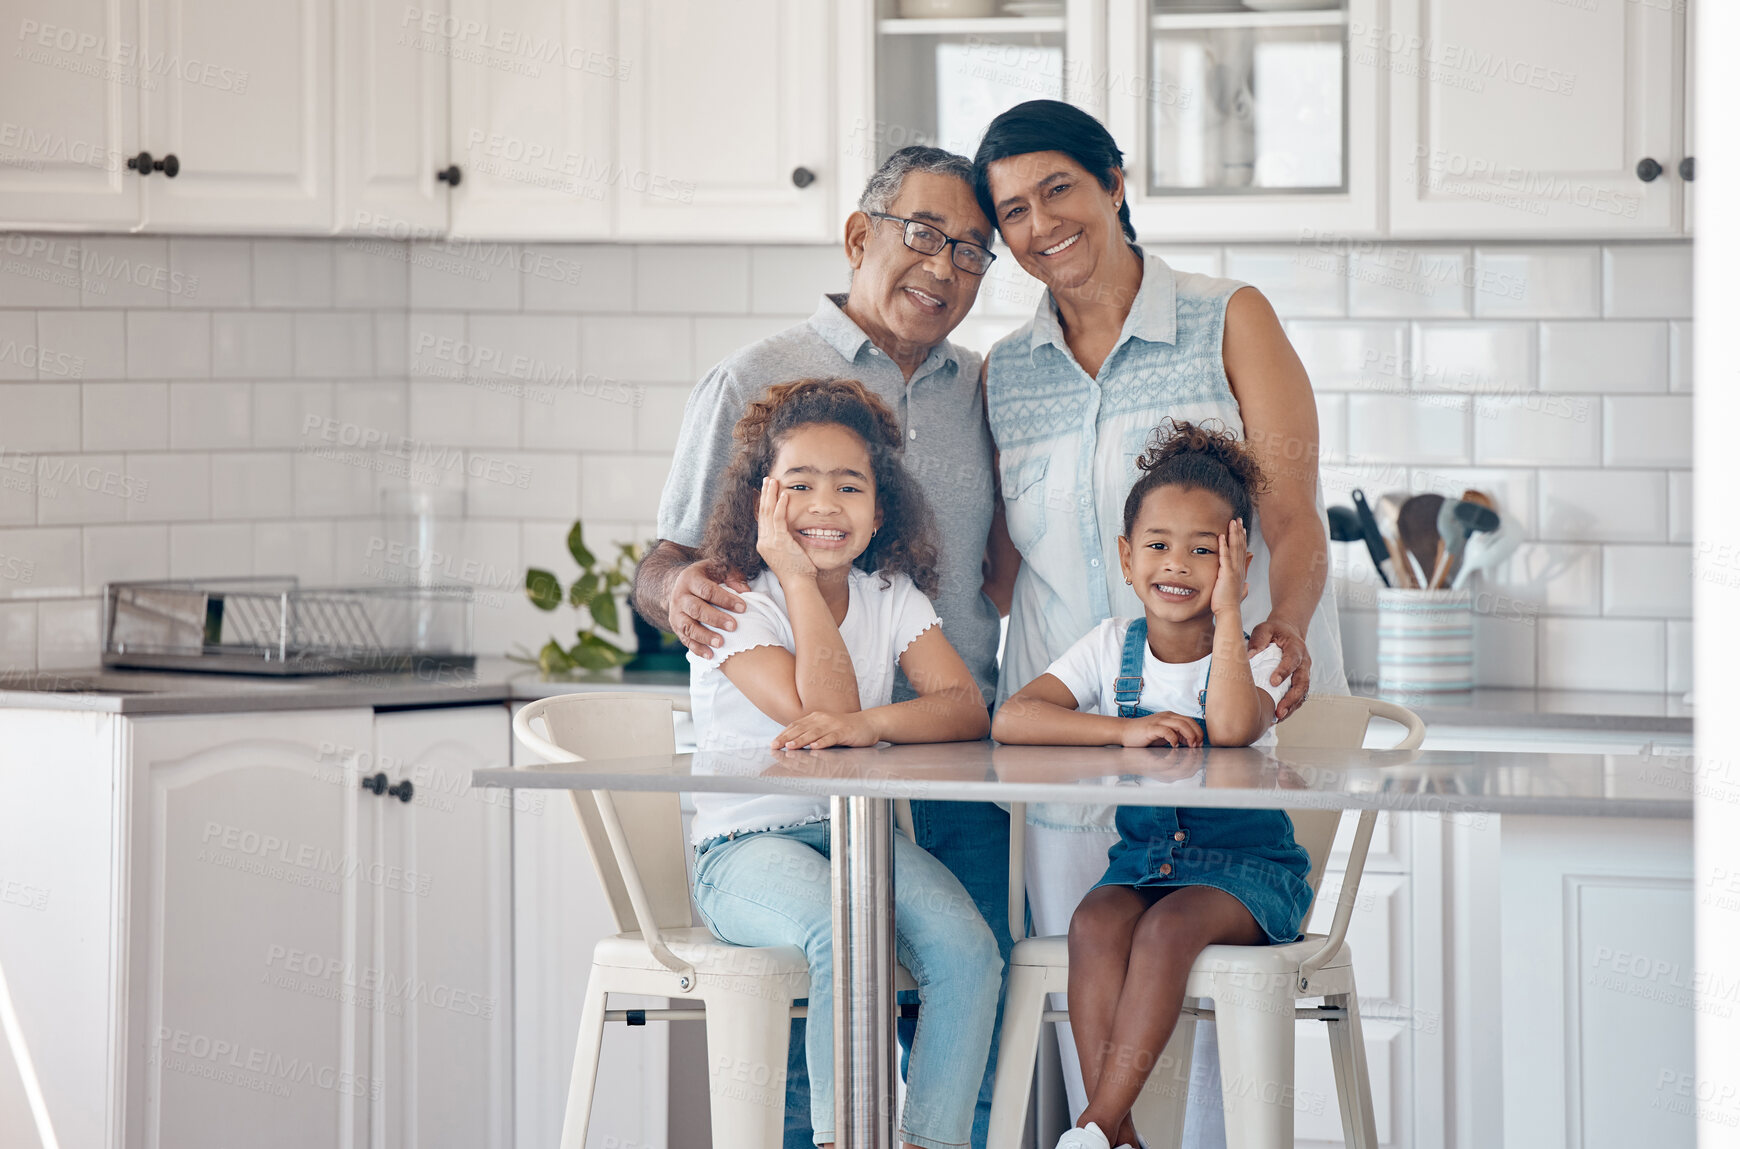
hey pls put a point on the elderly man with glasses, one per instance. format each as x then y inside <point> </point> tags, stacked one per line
<point>918,247</point>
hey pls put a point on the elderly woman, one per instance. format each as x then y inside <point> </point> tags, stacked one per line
<point>1119,342</point>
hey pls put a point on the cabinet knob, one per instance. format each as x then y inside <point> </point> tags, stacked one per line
<point>1688,169</point>
<point>402,791</point>
<point>449,175</point>
<point>1647,169</point>
<point>140,163</point>
<point>168,165</point>
<point>145,165</point>
<point>378,784</point>
<point>803,177</point>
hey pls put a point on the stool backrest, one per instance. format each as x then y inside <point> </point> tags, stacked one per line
<point>652,861</point>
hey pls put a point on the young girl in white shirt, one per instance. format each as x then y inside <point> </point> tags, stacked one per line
<point>834,539</point>
<point>1179,879</point>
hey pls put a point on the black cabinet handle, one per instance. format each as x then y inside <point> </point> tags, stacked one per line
<point>145,165</point>
<point>378,784</point>
<point>450,175</point>
<point>803,177</point>
<point>1688,169</point>
<point>402,791</point>
<point>1647,169</point>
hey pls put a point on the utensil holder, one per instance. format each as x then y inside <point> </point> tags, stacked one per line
<point>1425,641</point>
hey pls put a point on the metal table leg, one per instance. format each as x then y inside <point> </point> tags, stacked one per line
<point>862,849</point>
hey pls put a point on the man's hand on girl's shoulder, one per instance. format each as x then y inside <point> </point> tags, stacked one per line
<point>699,607</point>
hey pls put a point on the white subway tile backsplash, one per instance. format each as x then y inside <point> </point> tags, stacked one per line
<point>638,349</point>
<point>335,484</point>
<point>622,486</point>
<point>1647,281</point>
<point>211,550</point>
<point>1603,654</point>
<point>125,416</point>
<point>1680,355</point>
<point>291,414</point>
<point>381,408</point>
<point>168,345</point>
<point>17,488</point>
<point>37,417</point>
<point>1652,432</point>
<point>522,484</point>
<point>81,344</point>
<point>464,414</point>
<point>584,415</point>
<point>532,349</point>
<point>1349,356</point>
<point>1505,648</point>
<point>1194,260</point>
<point>1680,523</point>
<point>465,276</point>
<point>1359,648</point>
<point>302,549</point>
<point>1410,282</point>
<point>206,415</point>
<point>1297,281</point>
<point>1482,357</point>
<point>1537,282</point>
<point>1514,491</point>
<point>392,344</point>
<point>1679,654</point>
<point>1607,356</point>
<point>39,271</point>
<point>1331,428</point>
<point>252,485</point>
<point>45,561</point>
<point>252,344</point>
<point>117,554</point>
<point>293,273</point>
<point>20,356</point>
<point>68,633</point>
<point>17,634</point>
<point>1647,581</point>
<point>1603,506</point>
<point>79,489</point>
<point>172,488</point>
<point>210,272</point>
<point>334,345</point>
<point>578,277</point>
<point>1529,429</point>
<point>368,275</point>
<point>124,271</point>
<point>1556,578</point>
<point>1408,428</point>
<point>682,280</point>
<point>789,280</point>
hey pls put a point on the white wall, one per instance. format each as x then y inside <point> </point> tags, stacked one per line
<point>164,408</point>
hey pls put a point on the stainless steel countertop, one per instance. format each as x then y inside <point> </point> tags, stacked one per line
<point>498,680</point>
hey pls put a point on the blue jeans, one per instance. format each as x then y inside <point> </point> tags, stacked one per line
<point>972,840</point>
<point>774,888</point>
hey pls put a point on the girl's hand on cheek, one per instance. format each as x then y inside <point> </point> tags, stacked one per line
<point>820,730</point>
<point>778,547</point>
<point>1229,583</point>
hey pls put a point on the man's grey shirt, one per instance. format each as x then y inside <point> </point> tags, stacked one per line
<point>947,451</point>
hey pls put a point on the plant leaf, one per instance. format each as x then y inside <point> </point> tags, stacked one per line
<point>553,660</point>
<point>577,548</point>
<point>543,589</point>
<point>594,653</point>
<point>604,611</point>
<point>584,590</point>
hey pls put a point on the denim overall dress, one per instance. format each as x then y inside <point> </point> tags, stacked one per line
<point>1250,854</point>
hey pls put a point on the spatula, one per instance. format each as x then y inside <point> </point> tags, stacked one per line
<point>1458,519</point>
<point>1417,525</point>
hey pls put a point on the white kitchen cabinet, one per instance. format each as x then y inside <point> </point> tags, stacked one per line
<point>1532,120</point>
<point>243,100</point>
<point>534,86</point>
<point>391,120</point>
<point>724,129</point>
<point>70,89</point>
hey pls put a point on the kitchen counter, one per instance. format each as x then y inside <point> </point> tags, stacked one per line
<point>499,680</point>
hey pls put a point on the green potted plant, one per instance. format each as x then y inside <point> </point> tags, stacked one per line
<point>600,594</point>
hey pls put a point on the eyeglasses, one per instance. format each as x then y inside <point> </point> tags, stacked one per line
<point>927,240</point>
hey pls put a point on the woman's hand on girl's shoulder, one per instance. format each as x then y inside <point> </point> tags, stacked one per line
<point>1162,729</point>
<point>774,542</point>
<point>820,730</point>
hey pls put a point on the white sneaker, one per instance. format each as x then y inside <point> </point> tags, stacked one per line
<point>1088,1137</point>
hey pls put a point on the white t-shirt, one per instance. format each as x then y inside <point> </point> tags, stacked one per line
<point>730,733</point>
<point>1090,667</point>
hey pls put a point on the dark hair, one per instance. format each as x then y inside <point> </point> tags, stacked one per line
<point>1049,126</point>
<point>905,543</point>
<point>1188,455</point>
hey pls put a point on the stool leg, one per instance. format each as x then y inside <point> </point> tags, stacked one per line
<point>1024,999</point>
<point>1352,1080</point>
<point>748,1038</point>
<point>1255,1026</point>
<point>586,1052</point>
<point>1159,1111</point>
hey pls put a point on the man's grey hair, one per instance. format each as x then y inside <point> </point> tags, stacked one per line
<point>884,187</point>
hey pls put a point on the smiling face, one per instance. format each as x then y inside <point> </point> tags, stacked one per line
<point>831,509</point>
<point>1172,554</point>
<point>1059,223</point>
<point>903,297</point>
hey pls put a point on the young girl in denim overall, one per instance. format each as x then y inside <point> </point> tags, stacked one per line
<point>1179,879</point>
<point>832,535</point>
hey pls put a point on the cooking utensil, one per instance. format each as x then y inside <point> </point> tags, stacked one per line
<point>1387,510</point>
<point>1458,521</point>
<point>1417,526</point>
<point>1374,539</point>
<point>1344,525</point>
<point>1489,549</point>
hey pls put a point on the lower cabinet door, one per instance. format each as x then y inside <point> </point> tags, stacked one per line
<point>249,894</point>
<point>439,992</point>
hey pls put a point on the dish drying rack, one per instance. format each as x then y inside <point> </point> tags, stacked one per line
<point>274,626</point>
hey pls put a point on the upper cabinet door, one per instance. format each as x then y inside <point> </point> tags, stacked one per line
<point>244,103</point>
<point>391,122</point>
<point>724,132</point>
<point>533,90</point>
<point>69,88</point>
<point>1529,118</point>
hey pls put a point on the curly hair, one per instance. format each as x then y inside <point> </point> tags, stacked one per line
<point>905,543</point>
<point>1183,454</point>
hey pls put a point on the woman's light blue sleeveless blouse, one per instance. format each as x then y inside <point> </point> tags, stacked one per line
<point>1068,445</point>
